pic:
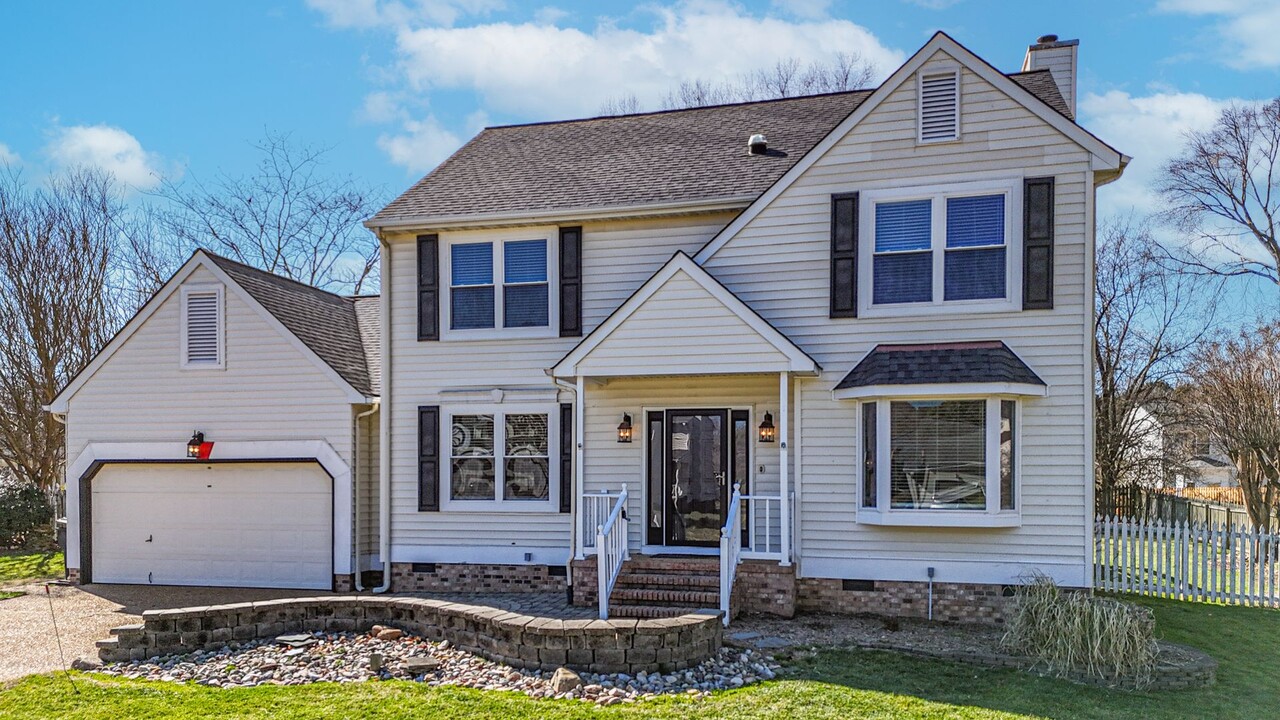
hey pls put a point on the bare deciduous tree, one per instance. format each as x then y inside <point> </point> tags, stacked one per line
<point>1148,318</point>
<point>1225,189</point>
<point>1237,386</point>
<point>289,218</point>
<point>787,77</point>
<point>58,306</point>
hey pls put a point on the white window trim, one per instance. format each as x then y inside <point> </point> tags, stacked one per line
<point>220,292</point>
<point>549,506</point>
<point>942,70</point>
<point>551,235</point>
<point>1010,188</point>
<point>991,516</point>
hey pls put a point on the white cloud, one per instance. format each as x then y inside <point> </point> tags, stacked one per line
<point>7,156</point>
<point>1151,129</point>
<point>106,147</point>
<point>420,146</point>
<point>546,71</point>
<point>811,9</point>
<point>1246,29</point>
<point>381,107</point>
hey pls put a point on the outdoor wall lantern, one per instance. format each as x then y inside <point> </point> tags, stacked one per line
<point>197,448</point>
<point>768,433</point>
<point>624,429</point>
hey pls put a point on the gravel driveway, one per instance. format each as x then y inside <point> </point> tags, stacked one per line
<point>86,614</point>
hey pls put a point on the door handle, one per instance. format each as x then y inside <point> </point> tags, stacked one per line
<point>148,538</point>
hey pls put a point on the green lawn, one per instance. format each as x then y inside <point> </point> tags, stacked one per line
<point>27,565</point>
<point>834,684</point>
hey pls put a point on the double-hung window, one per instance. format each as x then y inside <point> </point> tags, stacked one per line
<point>501,459</point>
<point>499,288</point>
<point>952,458</point>
<point>937,249</point>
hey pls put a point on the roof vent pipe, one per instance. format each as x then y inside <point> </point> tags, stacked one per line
<point>757,144</point>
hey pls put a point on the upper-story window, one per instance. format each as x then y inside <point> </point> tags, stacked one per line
<point>203,344</point>
<point>499,288</point>
<point>942,247</point>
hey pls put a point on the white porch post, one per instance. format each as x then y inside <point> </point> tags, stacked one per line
<point>579,415</point>
<point>784,469</point>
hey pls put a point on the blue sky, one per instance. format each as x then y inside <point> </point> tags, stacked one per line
<point>183,89</point>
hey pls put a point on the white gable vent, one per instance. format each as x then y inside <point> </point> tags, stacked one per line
<point>202,327</point>
<point>940,106</point>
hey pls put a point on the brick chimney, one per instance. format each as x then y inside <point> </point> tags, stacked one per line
<point>1059,57</point>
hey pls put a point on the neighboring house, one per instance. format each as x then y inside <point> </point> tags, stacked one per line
<point>874,320</point>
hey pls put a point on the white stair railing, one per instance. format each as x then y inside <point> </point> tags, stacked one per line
<point>611,551</point>
<point>730,550</point>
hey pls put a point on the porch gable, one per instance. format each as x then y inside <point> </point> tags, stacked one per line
<point>682,321</point>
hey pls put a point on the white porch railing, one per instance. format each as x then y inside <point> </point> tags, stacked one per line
<point>595,510</point>
<point>764,527</point>
<point>730,550</point>
<point>611,551</point>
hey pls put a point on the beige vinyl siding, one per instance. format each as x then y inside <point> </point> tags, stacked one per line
<point>366,479</point>
<point>618,257</point>
<point>682,329</point>
<point>269,390</point>
<point>778,264</point>
<point>609,463</point>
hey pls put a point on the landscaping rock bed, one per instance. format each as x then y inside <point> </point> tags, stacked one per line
<point>387,654</point>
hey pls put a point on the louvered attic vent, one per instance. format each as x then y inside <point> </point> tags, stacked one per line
<point>203,342</point>
<point>940,107</point>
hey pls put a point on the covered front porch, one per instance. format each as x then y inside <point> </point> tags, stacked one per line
<point>682,430</point>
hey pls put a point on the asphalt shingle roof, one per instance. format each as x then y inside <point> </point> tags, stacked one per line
<point>672,156</point>
<point>939,363</point>
<point>326,323</point>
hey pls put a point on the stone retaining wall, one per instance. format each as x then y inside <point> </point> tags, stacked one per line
<point>610,646</point>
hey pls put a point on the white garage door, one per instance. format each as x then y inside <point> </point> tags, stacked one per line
<point>233,525</point>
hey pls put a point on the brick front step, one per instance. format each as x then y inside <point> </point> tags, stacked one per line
<point>674,564</point>
<point>668,580</point>
<point>663,596</point>
<point>648,611</point>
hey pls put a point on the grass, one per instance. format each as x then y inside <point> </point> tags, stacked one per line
<point>832,684</point>
<point>27,565</point>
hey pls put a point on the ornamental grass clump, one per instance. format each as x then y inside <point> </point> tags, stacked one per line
<point>1072,633</point>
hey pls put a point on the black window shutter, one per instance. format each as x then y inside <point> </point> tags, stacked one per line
<point>844,255</point>
<point>1037,243</point>
<point>428,458</point>
<point>570,282</point>
<point>567,486</point>
<point>428,287</point>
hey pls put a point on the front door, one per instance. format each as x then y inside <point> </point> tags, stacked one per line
<point>696,486</point>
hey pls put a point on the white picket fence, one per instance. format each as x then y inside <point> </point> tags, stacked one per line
<point>1182,561</point>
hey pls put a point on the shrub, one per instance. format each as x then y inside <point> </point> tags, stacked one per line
<point>25,514</point>
<point>1074,632</point>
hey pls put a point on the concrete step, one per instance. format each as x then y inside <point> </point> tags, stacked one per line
<point>661,596</point>
<point>646,579</point>
<point>649,611</point>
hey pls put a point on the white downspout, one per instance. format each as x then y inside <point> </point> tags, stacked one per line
<point>784,469</point>
<point>355,502</point>
<point>384,419</point>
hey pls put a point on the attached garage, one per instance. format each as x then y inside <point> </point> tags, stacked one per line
<point>233,524</point>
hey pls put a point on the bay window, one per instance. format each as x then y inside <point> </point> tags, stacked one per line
<point>949,459</point>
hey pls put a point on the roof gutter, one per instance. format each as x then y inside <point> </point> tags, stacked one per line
<point>422,222</point>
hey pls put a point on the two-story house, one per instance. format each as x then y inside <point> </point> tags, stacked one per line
<point>827,352</point>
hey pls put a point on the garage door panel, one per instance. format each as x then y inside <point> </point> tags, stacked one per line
<point>247,525</point>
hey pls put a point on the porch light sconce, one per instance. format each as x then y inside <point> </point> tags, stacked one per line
<point>197,448</point>
<point>768,433</point>
<point>624,429</point>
